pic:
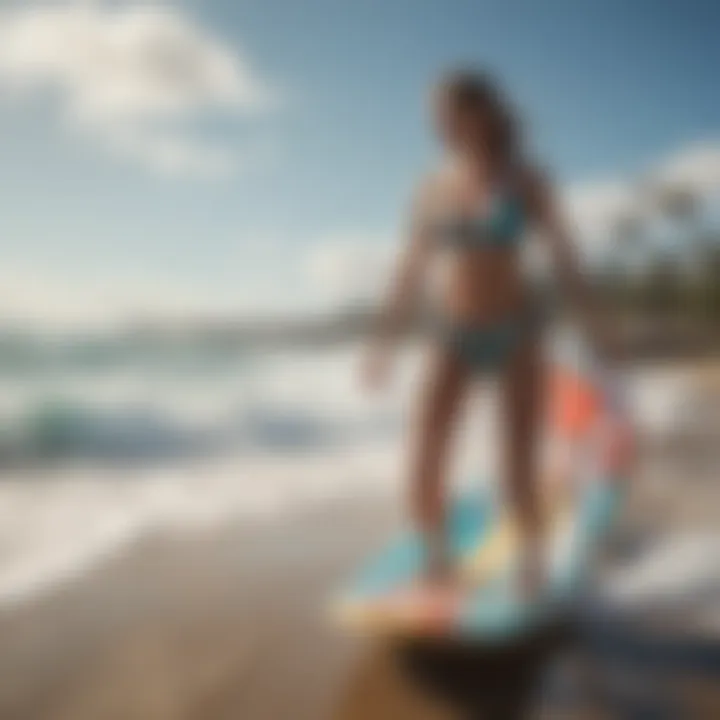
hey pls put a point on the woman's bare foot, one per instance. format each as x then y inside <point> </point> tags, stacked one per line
<point>531,576</point>
<point>427,605</point>
<point>438,598</point>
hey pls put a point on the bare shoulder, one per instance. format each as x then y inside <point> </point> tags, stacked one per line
<point>535,187</point>
<point>430,190</point>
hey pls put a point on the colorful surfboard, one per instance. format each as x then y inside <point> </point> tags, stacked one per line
<point>589,456</point>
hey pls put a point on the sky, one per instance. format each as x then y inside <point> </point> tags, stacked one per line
<point>238,156</point>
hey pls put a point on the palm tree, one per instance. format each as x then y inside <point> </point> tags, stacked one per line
<point>681,207</point>
<point>627,245</point>
<point>712,279</point>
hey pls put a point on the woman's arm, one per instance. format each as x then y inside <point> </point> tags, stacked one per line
<point>554,230</point>
<point>404,288</point>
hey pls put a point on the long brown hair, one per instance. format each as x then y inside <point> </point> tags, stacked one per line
<point>477,93</point>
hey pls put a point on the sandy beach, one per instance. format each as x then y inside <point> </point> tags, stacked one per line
<point>217,624</point>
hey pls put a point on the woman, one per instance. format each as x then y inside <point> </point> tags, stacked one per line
<point>477,209</point>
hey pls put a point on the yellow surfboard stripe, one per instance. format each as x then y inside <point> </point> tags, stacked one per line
<point>491,556</point>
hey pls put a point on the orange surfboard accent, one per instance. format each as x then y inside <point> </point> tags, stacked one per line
<point>575,404</point>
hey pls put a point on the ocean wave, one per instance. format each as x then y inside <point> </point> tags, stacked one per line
<point>71,429</point>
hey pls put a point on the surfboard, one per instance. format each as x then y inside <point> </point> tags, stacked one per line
<point>386,597</point>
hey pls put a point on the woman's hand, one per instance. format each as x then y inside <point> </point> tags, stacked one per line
<point>606,342</point>
<point>376,368</point>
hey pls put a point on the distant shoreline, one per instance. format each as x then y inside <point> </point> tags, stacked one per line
<point>643,338</point>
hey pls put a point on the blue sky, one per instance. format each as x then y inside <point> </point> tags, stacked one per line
<point>296,140</point>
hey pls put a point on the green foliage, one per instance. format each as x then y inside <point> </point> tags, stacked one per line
<point>650,281</point>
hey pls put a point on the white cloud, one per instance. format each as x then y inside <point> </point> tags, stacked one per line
<point>696,168</point>
<point>169,154</point>
<point>262,276</point>
<point>349,267</point>
<point>595,207</point>
<point>122,72</point>
<point>47,298</point>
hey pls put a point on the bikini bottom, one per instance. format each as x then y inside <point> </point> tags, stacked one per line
<point>487,348</point>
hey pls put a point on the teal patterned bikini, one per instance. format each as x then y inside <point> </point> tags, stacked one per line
<point>502,226</point>
<point>490,346</point>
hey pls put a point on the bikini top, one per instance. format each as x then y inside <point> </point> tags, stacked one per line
<point>501,226</point>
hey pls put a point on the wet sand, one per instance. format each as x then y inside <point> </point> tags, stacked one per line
<point>224,624</point>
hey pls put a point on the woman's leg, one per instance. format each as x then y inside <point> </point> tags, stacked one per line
<point>444,387</point>
<point>523,399</point>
